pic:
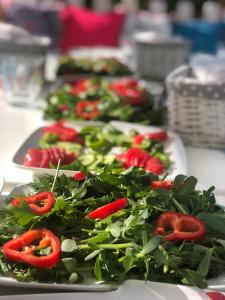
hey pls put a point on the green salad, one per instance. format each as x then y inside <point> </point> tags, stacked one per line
<point>98,66</point>
<point>98,99</point>
<point>113,227</point>
<point>97,147</point>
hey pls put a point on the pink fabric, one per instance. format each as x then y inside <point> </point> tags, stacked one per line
<point>82,27</point>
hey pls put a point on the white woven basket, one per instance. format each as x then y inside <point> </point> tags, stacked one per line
<point>156,58</point>
<point>196,110</point>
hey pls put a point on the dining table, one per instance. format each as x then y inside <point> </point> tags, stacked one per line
<point>17,123</point>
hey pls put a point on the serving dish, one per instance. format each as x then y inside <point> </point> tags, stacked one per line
<point>173,147</point>
<point>131,289</point>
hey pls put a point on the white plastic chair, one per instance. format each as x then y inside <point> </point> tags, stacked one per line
<point>212,11</point>
<point>184,11</point>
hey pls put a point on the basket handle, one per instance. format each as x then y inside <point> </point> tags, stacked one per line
<point>182,70</point>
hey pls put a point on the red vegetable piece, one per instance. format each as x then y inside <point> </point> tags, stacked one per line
<point>79,176</point>
<point>65,134</point>
<point>42,158</point>
<point>216,295</point>
<point>161,136</point>
<point>63,107</point>
<point>87,109</point>
<point>178,226</point>
<point>40,203</point>
<point>165,184</point>
<point>155,166</point>
<point>108,209</point>
<point>22,250</point>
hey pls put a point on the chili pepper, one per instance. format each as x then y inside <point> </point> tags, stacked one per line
<point>22,250</point>
<point>40,203</point>
<point>108,209</point>
<point>65,134</point>
<point>161,136</point>
<point>165,184</point>
<point>178,226</point>
<point>87,109</point>
<point>42,158</point>
<point>79,176</point>
<point>216,295</point>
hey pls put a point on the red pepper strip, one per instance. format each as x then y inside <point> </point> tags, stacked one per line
<point>87,109</point>
<point>216,295</point>
<point>21,249</point>
<point>108,209</point>
<point>165,184</point>
<point>40,203</point>
<point>155,166</point>
<point>79,176</point>
<point>161,136</point>
<point>66,134</point>
<point>180,227</point>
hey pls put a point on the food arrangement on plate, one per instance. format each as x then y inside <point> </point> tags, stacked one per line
<point>98,99</point>
<point>95,66</point>
<point>98,147</point>
<point>113,227</point>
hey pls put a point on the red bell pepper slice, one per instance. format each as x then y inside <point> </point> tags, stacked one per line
<point>87,109</point>
<point>161,136</point>
<point>42,158</point>
<point>108,209</point>
<point>178,226</point>
<point>79,176</point>
<point>78,87</point>
<point>216,295</point>
<point>40,203</point>
<point>155,166</point>
<point>65,134</point>
<point>22,250</point>
<point>140,158</point>
<point>165,184</point>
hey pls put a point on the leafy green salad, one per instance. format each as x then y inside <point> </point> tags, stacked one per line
<point>113,227</point>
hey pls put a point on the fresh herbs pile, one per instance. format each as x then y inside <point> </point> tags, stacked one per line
<point>113,227</point>
<point>96,147</point>
<point>99,66</point>
<point>101,100</point>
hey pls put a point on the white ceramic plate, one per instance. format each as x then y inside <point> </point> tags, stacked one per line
<point>131,289</point>
<point>173,147</point>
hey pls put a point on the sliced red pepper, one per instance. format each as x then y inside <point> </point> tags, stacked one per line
<point>108,209</point>
<point>165,184</point>
<point>87,109</point>
<point>178,226</point>
<point>216,295</point>
<point>63,107</point>
<point>155,166</point>
<point>40,203</point>
<point>42,158</point>
<point>140,158</point>
<point>79,176</point>
<point>161,136</point>
<point>22,250</point>
<point>78,87</point>
<point>65,134</point>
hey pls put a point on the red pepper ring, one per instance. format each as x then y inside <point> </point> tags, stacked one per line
<point>21,249</point>
<point>108,209</point>
<point>177,226</point>
<point>40,203</point>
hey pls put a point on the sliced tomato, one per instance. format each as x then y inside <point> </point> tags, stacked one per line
<point>161,136</point>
